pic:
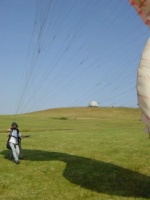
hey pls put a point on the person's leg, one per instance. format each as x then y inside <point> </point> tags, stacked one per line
<point>14,152</point>
<point>18,150</point>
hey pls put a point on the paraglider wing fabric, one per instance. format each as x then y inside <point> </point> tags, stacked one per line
<point>143,85</point>
<point>143,9</point>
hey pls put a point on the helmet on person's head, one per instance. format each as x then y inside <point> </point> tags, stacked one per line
<point>14,125</point>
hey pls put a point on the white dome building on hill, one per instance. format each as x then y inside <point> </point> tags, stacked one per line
<point>93,104</point>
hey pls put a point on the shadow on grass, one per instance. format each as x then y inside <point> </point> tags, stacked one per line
<point>96,175</point>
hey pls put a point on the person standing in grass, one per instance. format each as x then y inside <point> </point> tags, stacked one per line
<point>14,140</point>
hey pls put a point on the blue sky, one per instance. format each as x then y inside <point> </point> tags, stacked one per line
<point>66,53</point>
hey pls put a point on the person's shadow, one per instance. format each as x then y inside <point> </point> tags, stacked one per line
<point>96,175</point>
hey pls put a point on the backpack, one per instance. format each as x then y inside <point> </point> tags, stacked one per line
<point>7,143</point>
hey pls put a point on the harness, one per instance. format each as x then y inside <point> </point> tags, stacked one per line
<point>10,135</point>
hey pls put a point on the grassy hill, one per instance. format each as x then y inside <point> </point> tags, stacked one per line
<point>42,119</point>
<point>77,153</point>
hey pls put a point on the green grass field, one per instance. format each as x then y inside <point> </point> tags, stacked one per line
<point>77,154</point>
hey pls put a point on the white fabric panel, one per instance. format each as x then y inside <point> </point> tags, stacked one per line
<point>143,84</point>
